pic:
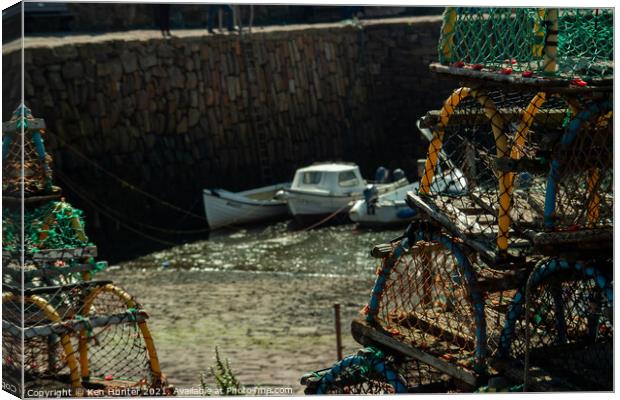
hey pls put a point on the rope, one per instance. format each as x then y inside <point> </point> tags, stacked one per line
<point>528,298</point>
<point>71,185</point>
<point>326,219</point>
<point>127,184</point>
<point>134,188</point>
<point>128,227</point>
<point>98,206</point>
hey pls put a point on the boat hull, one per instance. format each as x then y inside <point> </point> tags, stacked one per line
<point>385,214</point>
<point>390,209</point>
<point>222,209</point>
<point>308,206</point>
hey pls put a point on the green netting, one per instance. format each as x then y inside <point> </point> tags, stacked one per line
<point>586,42</point>
<point>55,225</point>
<point>515,40</point>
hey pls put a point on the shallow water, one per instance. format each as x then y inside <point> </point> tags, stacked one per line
<point>264,295</point>
<point>339,250</point>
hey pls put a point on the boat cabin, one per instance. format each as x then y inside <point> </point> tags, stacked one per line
<point>329,178</point>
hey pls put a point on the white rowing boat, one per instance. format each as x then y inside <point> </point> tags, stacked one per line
<point>224,208</point>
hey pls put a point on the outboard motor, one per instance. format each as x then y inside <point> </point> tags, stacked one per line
<point>398,174</point>
<point>371,196</point>
<point>382,174</point>
<point>523,181</point>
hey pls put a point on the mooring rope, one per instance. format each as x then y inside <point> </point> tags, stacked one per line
<point>326,219</point>
<point>123,224</point>
<point>100,206</point>
<point>129,185</point>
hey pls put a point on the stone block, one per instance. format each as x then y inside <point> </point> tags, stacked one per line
<point>103,69</point>
<point>165,51</point>
<point>142,102</point>
<point>67,52</point>
<point>129,61</point>
<point>72,70</point>
<point>189,64</point>
<point>149,140</point>
<point>192,80</point>
<point>116,69</point>
<point>147,60</point>
<point>182,126</point>
<point>159,71</point>
<point>56,82</point>
<point>194,117</point>
<point>177,78</point>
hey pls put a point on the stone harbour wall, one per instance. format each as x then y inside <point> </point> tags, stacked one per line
<point>174,116</point>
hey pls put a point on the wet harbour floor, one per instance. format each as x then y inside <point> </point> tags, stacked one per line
<point>263,295</point>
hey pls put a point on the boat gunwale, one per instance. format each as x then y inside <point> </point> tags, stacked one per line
<point>351,194</point>
<point>224,196</point>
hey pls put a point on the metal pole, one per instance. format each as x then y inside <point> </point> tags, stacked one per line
<point>338,333</point>
<point>526,320</point>
<point>251,17</point>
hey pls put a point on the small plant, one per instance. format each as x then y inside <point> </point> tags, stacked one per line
<point>225,380</point>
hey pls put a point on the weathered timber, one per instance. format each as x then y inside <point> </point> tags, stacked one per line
<point>382,250</point>
<point>367,335</point>
<point>74,325</point>
<point>64,254</point>
<point>474,78</point>
<point>550,118</point>
<point>412,321</point>
<point>55,289</point>
<point>48,272</point>
<point>429,208</point>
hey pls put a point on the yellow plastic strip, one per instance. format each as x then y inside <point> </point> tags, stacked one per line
<point>501,145</point>
<point>83,350</point>
<point>447,32</point>
<point>539,32</point>
<point>435,146</point>
<point>518,146</point>
<point>52,315</point>
<point>594,197</point>
<point>146,334</point>
<point>516,151</point>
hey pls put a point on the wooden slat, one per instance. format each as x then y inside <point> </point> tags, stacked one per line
<point>444,221</point>
<point>54,254</point>
<point>572,237</point>
<point>31,200</point>
<point>552,117</point>
<point>434,329</point>
<point>54,289</point>
<point>16,273</point>
<point>31,124</point>
<point>508,280</point>
<point>558,85</point>
<point>381,250</point>
<point>367,335</point>
<point>74,325</point>
<point>65,254</point>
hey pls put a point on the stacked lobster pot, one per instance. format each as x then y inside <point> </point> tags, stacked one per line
<point>507,285</point>
<point>64,332</point>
